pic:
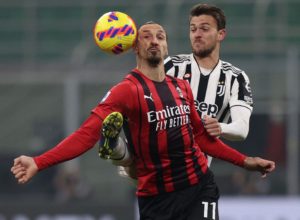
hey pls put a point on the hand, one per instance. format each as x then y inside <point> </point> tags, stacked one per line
<point>212,126</point>
<point>24,169</point>
<point>259,164</point>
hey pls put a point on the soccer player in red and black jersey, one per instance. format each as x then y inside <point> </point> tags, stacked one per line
<point>166,134</point>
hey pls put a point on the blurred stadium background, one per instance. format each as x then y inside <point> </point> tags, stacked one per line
<point>52,75</point>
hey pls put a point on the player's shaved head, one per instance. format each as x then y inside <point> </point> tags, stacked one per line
<point>143,26</point>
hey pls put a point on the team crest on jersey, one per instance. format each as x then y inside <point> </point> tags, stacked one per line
<point>179,92</point>
<point>221,88</point>
<point>187,76</point>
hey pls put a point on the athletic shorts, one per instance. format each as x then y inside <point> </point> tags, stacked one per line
<point>198,202</point>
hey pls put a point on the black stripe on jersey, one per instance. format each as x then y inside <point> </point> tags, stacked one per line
<point>243,92</point>
<point>196,165</point>
<point>177,164</point>
<point>220,91</point>
<point>154,153</point>
<point>168,65</point>
<point>176,71</point>
<point>222,117</point>
<point>189,71</point>
<point>227,108</point>
<point>202,89</point>
<point>127,131</point>
<point>231,84</point>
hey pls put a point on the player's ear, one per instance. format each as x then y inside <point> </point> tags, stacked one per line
<point>222,34</point>
<point>135,45</point>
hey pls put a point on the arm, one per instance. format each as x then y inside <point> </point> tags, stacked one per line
<point>216,148</point>
<point>83,139</point>
<point>241,106</point>
<point>238,129</point>
<point>79,142</point>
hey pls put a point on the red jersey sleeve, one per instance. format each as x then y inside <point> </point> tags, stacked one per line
<point>83,139</point>
<point>211,145</point>
<point>118,99</point>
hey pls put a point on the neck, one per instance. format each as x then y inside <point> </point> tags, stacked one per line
<point>210,61</point>
<point>153,73</point>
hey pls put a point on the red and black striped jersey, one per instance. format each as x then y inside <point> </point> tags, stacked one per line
<point>164,132</point>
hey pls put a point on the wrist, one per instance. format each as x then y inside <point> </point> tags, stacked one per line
<point>248,162</point>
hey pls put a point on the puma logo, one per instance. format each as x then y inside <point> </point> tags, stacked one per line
<point>148,97</point>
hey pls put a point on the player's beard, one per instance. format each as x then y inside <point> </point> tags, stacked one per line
<point>154,59</point>
<point>202,53</point>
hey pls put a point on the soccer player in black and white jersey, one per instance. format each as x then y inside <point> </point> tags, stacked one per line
<point>221,90</point>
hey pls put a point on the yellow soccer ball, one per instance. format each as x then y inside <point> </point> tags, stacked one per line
<point>115,32</point>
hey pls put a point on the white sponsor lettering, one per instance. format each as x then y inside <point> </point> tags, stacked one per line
<point>169,117</point>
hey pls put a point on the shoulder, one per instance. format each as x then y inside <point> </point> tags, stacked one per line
<point>228,67</point>
<point>179,59</point>
<point>233,70</point>
<point>125,83</point>
<point>175,65</point>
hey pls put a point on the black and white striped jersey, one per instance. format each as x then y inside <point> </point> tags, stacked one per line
<point>224,87</point>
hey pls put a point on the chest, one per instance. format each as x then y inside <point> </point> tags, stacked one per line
<point>162,105</point>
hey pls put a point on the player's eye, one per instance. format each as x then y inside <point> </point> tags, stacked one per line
<point>161,37</point>
<point>193,29</point>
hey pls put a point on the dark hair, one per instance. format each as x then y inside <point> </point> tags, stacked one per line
<point>215,12</point>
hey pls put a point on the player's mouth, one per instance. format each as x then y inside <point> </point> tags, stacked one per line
<point>153,49</point>
<point>199,42</point>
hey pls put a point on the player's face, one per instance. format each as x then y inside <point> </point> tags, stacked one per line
<point>204,35</point>
<point>152,44</point>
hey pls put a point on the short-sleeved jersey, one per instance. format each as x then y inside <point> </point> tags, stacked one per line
<point>225,87</point>
<point>158,127</point>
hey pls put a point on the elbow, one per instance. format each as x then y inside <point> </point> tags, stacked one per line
<point>243,135</point>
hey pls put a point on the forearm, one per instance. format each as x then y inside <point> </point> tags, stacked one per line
<point>74,145</point>
<point>238,129</point>
<point>217,149</point>
<point>235,131</point>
